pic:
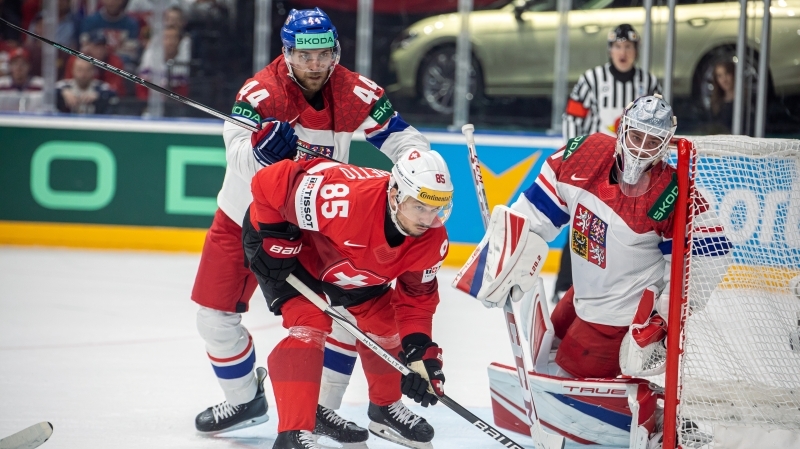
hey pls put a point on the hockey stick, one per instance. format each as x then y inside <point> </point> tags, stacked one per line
<point>396,364</point>
<point>29,437</point>
<point>142,82</point>
<point>542,439</point>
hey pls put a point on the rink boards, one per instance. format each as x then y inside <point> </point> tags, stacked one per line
<point>147,184</point>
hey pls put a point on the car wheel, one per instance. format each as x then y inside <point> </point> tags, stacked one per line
<point>702,84</point>
<point>436,79</point>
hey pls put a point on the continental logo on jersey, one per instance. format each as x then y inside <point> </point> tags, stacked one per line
<point>588,239</point>
<point>572,145</point>
<point>665,203</point>
<point>434,197</point>
<point>430,274</point>
<point>243,109</point>
<point>306,202</point>
<point>382,110</point>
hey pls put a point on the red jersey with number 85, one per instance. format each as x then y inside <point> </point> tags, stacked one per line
<point>341,210</point>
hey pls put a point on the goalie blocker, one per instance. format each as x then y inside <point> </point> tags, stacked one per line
<point>507,261</point>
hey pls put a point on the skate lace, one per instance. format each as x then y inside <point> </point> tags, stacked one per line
<point>223,410</point>
<point>402,414</point>
<point>333,418</point>
<point>306,438</point>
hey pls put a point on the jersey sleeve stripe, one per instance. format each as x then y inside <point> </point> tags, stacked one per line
<point>550,187</point>
<point>542,202</point>
<point>378,135</point>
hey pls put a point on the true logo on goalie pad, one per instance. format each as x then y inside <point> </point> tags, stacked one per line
<point>589,236</point>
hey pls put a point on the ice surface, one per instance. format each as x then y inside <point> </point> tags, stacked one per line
<point>103,345</point>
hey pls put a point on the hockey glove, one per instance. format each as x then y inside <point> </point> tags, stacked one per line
<point>426,381</point>
<point>277,257</point>
<point>274,142</point>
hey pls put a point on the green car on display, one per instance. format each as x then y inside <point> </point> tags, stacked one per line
<point>513,47</point>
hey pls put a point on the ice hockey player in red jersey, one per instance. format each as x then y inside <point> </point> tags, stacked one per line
<point>302,98</point>
<point>348,232</point>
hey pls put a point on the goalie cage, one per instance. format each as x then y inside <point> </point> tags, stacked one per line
<point>733,366</point>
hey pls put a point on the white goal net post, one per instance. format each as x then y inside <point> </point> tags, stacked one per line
<point>733,366</point>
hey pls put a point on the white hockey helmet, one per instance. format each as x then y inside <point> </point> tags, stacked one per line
<point>424,191</point>
<point>643,137</point>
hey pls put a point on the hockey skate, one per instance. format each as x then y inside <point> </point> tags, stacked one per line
<point>296,439</point>
<point>400,425</point>
<point>333,426</point>
<point>224,417</point>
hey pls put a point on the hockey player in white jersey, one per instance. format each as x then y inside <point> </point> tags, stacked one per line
<point>598,100</point>
<point>613,194</point>
<point>302,98</point>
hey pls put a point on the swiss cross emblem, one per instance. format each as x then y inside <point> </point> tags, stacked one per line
<point>414,154</point>
<point>346,276</point>
<point>588,238</point>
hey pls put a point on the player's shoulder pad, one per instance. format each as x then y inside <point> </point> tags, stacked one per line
<point>572,146</point>
<point>356,98</point>
<point>665,203</point>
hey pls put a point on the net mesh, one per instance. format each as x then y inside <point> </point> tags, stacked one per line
<point>740,365</point>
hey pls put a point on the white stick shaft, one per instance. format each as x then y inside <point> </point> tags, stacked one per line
<point>477,176</point>
<point>542,439</point>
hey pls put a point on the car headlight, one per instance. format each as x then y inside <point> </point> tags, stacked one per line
<point>404,39</point>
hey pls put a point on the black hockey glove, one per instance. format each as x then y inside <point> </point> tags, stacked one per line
<point>425,383</point>
<point>277,256</point>
<point>274,141</point>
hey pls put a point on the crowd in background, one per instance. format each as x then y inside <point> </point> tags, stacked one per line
<point>119,33</point>
<point>206,51</point>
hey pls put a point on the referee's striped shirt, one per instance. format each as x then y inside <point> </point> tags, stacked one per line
<point>597,101</point>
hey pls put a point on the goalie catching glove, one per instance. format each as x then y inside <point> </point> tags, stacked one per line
<point>425,383</point>
<point>642,352</point>
<point>506,262</point>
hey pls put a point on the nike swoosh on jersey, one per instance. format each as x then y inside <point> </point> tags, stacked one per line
<point>577,179</point>
<point>347,243</point>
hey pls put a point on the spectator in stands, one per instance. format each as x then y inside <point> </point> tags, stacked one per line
<point>19,91</point>
<point>177,70</point>
<point>174,18</point>
<point>121,31</point>
<point>11,11</point>
<point>94,45</point>
<point>66,34</point>
<point>722,95</point>
<point>82,93</point>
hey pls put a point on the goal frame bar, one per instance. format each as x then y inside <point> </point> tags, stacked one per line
<point>677,292</point>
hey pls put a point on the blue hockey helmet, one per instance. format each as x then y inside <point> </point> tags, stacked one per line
<point>308,29</point>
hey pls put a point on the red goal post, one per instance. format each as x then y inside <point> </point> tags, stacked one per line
<point>732,368</point>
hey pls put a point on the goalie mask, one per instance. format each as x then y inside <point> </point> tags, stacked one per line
<point>310,47</point>
<point>646,127</point>
<point>420,192</point>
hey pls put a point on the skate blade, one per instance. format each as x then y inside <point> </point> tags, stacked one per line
<point>242,425</point>
<point>387,433</point>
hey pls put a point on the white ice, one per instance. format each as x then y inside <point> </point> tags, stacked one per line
<point>103,345</point>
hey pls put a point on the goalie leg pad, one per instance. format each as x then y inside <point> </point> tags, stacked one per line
<point>509,256</point>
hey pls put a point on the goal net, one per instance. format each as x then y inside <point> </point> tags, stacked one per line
<point>735,369</point>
